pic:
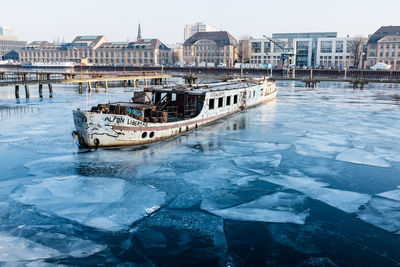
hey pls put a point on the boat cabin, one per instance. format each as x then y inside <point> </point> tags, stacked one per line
<point>158,105</point>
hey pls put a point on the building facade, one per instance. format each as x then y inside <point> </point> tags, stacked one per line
<point>301,41</point>
<point>98,51</point>
<point>8,42</point>
<point>384,46</point>
<point>211,47</point>
<point>263,51</point>
<point>320,49</point>
<point>334,53</point>
<point>190,30</point>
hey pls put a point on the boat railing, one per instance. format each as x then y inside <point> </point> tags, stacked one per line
<point>172,112</point>
<point>189,111</point>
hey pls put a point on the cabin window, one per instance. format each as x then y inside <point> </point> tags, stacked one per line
<point>220,102</point>
<point>211,104</point>
<point>228,100</point>
<point>235,99</point>
<point>254,93</point>
<point>261,92</point>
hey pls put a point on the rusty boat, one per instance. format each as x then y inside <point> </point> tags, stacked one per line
<point>157,114</point>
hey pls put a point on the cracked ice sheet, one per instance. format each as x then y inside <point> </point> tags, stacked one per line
<point>347,201</point>
<point>177,230</point>
<point>17,248</point>
<point>391,154</point>
<point>256,147</point>
<point>276,208</point>
<point>359,156</point>
<point>261,164</point>
<point>13,248</point>
<point>320,145</point>
<point>382,212</point>
<point>394,194</point>
<point>105,203</point>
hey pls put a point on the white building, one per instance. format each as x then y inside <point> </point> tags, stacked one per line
<point>306,52</point>
<point>8,42</point>
<point>334,52</point>
<point>5,31</point>
<point>263,51</point>
<point>190,30</point>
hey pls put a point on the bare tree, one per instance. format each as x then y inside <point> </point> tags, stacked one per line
<point>244,49</point>
<point>176,57</point>
<point>356,46</point>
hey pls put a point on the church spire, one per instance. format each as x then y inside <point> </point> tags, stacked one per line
<point>139,33</point>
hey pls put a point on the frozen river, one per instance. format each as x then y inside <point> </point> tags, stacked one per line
<point>310,179</point>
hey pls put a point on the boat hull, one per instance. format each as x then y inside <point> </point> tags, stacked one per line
<point>108,130</point>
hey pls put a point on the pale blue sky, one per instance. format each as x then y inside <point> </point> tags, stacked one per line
<point>117,19</point>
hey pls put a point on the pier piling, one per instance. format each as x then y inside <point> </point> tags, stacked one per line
<point>41,90</point>
<point>27,91</point>
<point>89,85</point>
<point>50,90</point>
<point>80,88</point>
<point>17,91</point>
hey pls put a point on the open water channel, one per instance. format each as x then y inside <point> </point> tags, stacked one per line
<point>310,179</point>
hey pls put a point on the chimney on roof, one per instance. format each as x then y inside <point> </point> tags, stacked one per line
<point>139,33</point>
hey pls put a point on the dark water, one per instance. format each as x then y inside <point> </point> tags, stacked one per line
<point>310,179</point>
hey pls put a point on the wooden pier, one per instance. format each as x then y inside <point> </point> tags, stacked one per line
<point>82,79</point>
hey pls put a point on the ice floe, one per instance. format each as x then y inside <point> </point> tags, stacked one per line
<point>382,212</point>
<point>347,201</point>
<point>393,194</point>
<point>14,248</point>
<point>261,164</point>
<point>279,207</point>
<point>359,156</point>
<point>390,154</point>
<point>42,245</point>
<point>105,203</point>
<point>320,145</point>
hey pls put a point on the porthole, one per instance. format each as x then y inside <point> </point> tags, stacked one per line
<point>144,135</point>
<point>96,142</point>
<point>180,129</point>
<point>151,135</point>
<point>196,125</point>
<point>187,128</point>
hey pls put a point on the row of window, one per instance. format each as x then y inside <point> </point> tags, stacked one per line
<point>274,62</point>
<point>86,54</point>
<point>336,57</point>
<point>211,103</point>
<point>388,46</point>
<point>100,61</point>
<point>251,94</point>
<point>15,43</point>
<point>265,57</point>
<point>328,63</point>
<point>393,54</point>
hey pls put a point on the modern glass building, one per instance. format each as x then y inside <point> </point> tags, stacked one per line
<point>301,43</point>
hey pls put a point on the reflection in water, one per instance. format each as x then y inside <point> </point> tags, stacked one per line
<point>9,112</point>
